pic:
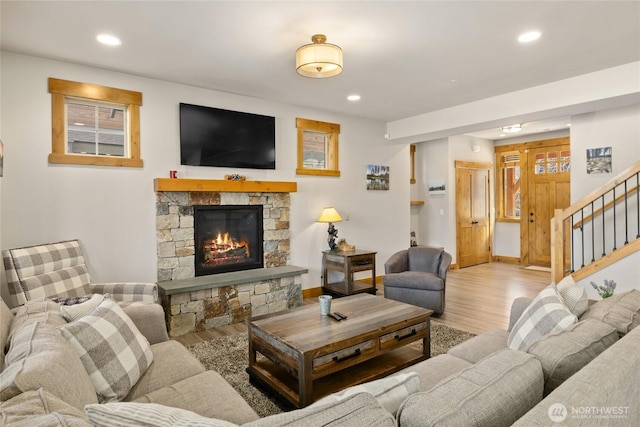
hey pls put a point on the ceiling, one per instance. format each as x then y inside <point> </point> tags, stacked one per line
<point>402,58</point>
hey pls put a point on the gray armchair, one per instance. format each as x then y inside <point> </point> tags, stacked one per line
<point>417,276</point>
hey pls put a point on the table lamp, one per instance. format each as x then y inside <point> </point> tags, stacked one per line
<point>330,215</point>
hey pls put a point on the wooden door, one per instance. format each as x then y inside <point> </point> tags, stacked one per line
<point>549,188</point>
<point>473,226</point>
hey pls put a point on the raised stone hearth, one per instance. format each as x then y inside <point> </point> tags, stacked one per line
<point>210,303</point>
<point>207,302</point>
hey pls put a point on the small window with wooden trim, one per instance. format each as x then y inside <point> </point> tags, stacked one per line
<point>508,183</point>
<point>94,125</point>
<point>317,148</point>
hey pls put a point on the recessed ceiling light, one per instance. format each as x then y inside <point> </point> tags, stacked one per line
<point>529,36</point>
<point>108,39</point>
<point>454,80</point>
<point>353,97</point>
<point>512,129</point>
<point>568,124</point>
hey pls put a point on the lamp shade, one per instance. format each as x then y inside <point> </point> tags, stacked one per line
<point>329,215</point>
<point>319,59</point>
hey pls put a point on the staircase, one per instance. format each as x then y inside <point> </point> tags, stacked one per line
<point>598,230</point>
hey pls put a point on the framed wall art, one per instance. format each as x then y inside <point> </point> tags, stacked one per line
<point>436,187</point>
<point>599,160</point>
<point>377,177</point>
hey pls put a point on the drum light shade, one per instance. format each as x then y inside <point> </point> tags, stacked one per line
<point>319,59</point>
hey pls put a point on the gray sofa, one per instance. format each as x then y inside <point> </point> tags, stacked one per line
<point>591,367</point>
<point>594,365</point>
<point>44,383</point>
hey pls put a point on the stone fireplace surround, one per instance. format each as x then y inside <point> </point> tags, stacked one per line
<point>192,303</point>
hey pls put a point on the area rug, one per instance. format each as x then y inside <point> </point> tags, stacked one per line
<point>228,355</point>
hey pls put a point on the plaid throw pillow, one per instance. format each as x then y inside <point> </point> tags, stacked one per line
<point>114,353</point>
<point>546,314</point>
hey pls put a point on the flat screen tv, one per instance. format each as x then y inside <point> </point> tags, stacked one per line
<point>223,138</point>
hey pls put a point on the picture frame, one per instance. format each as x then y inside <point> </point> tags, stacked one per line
<point>436,187</point>
<point>377,177</point>
<point>599,160</point>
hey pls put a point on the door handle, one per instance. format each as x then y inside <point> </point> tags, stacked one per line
<point>532,220</point>
<point>474,222</point>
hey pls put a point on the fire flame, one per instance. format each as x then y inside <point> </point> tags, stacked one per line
<point>223,243</point>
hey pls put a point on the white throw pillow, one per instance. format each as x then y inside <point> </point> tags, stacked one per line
<point>76,311</point>
<point>546,314</point>
<point>129,414</point>
<point>390,391</point>
<point>574,296</point>
<point>114,353</point>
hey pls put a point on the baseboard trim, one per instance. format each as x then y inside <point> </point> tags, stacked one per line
<point>312,292</point>
<point>368,280</point>
<point>506,259</point>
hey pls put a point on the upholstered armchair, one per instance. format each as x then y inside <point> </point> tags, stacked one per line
<point>58,270</point>
<point>417,276</point>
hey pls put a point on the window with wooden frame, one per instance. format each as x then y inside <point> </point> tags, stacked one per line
<point>508,185</point>
<point>94,125</point>
<point>317,148</point>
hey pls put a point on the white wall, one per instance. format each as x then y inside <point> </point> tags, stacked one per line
<point>432,164</point>
<point>112,210</point>
<point>619,129</point>
<point>435,160</point>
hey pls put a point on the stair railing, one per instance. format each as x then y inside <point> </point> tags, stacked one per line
<point>598,229</point>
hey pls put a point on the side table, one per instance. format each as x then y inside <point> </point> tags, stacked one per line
<point>348,263</point>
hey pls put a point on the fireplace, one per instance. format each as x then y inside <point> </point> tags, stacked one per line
<point>227,238</point>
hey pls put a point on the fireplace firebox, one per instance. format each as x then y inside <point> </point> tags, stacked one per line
<point>228,238</point>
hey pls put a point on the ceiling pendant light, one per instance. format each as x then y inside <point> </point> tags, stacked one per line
<point>319,59</point>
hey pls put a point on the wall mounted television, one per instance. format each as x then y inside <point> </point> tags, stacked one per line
<point>223,138</point>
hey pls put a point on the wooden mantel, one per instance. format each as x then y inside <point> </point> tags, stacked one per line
<point>223,185</point>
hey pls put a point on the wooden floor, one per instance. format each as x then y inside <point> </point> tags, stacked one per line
<point>478,298</point>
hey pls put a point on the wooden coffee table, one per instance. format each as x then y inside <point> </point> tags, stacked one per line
<point>308,356</point>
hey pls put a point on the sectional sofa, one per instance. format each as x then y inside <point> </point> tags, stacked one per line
<point>45,383</point>
<point>586,373</point>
